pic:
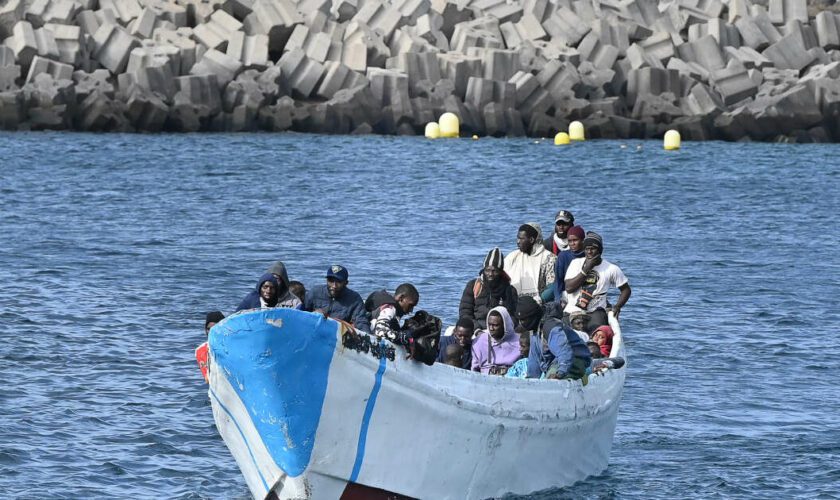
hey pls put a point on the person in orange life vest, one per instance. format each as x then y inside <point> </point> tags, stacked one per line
<point>201,352</point>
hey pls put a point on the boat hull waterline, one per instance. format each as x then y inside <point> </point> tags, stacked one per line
<point>311,410</point>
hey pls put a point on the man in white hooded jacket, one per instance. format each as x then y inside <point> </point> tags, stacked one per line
<point>531,267</point>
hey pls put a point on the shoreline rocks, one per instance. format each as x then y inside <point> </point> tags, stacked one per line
<point>711,69</point>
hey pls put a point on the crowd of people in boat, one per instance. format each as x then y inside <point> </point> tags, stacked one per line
<point>539,312</point>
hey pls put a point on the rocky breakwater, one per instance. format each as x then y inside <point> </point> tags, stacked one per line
<point>625,68</point>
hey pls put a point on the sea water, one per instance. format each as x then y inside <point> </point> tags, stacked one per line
<point>114,246</point>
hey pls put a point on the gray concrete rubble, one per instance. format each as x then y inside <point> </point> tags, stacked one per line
<point>712,69</point>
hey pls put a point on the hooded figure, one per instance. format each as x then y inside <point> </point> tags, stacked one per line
<point>488,351</point>
<point>285,297</point>
<point>603,336</point>
<point>490,289</point>
<point>254,299</point>
<point>531,266</point>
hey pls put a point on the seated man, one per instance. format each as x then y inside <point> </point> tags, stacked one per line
<point>386,310</point>
<point>285,297</point>
<point>297,288</point>
<point>491,289</point>
<point>520,368</point>
<point>497,348</point>
<point>264,296</point>
<point>556,243</point>
<point>419,335</point>
<point>531,266</point>
<point>452,355</point>
<point>589,279</point>
<point>335,300</point>
<point>570,355</point>
<point>202,356</point>
<point>530,316</point>
<point>462,335</point>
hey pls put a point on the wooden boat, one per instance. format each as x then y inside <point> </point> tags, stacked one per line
<point>310,409</point>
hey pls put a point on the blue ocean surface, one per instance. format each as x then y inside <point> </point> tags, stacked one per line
<point>114,246</point>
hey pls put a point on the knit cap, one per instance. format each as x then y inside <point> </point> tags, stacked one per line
<point>593,238</point>
<point>576,231</point>
<point>495,259</point>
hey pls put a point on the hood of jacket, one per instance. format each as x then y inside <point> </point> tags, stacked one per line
<point>608,334</point>
<point>510,330</point>
<point>538,249</point>
<point>269,277</point>
<point>279,269</point>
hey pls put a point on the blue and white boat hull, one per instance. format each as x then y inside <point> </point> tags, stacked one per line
<point>310,411</point>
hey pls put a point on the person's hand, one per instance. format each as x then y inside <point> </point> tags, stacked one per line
<point>616,311</point>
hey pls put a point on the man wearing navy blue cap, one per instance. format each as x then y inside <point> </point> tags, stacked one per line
<point>337,301</point>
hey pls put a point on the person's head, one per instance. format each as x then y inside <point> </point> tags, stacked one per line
<point>593,245</point>
<point>574,237</point>
<point>337,279</point>
<point>526,237</point>
<point>278,269</point>
<point>268,288</point>
<point>594,350</point>
<point>211,319</point>
<point>529,313</point>
<point>494,265</point>
<point>524,344</point>
<point>407,297</point>
<point>562,222</point>
<point>452,355</point>
<point>496,325</point>
<point>579,320</point>
<point>297,288</point>
<point>603,336</point>
<point>464,329</point>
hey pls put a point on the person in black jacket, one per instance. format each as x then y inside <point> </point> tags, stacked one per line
<point>492,288</point>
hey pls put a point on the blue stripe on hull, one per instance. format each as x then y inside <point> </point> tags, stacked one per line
<point>371,402</point>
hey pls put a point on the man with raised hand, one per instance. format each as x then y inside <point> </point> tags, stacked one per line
<point>588,280</point>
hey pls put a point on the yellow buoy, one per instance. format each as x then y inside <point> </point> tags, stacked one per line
<point>432,130</point>
<point>450,126</point>
<point>576,131</point>
<point>672,140</point>
<point>475,137</point>
<point>561,138</point>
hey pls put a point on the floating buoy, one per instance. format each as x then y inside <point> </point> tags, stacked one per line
<point>576,131</point>
<point>475,137</point>
<point>561,138</point>
<point>450,126</point>
<point>672,140</point>
<point>432,130</point>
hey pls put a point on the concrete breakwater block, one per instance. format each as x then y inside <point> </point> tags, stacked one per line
<point>40,65</point>
<point>628,67</point>
<point>223,66</point>
<point>302,72</point>
<point>113,46</point>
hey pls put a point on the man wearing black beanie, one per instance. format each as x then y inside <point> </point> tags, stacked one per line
<point>490,289</point>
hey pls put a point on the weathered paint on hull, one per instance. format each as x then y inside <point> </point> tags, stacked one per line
<point>339,417</point>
